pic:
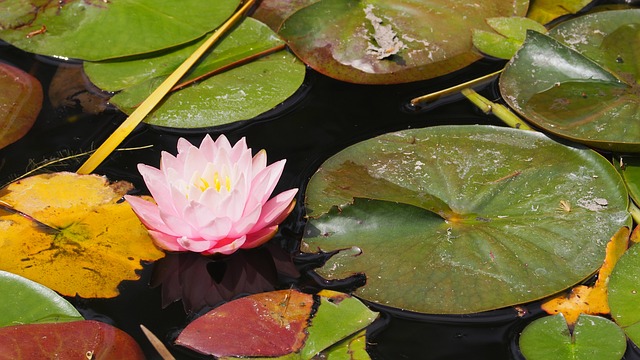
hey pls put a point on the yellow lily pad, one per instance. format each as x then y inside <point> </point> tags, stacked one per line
<point>72,233</point>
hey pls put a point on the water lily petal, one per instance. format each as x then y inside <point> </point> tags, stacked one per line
<point>246,222</point>
<point>177,225</point>
<point>158,187</point>
<point>194,162</point>
<point>240,148</point>
<point>265,181</point>
<point>148,213</point>
<point>222,145</point>
<point>260,237</point>
<point>207,146</point>
<point>165,241</point>
<point>235,203</point>
<point>168,161</point>
<point>276,209</point>
<point>195,245</point>
<point>216,230</point>
<point>184,145</point>
<point>209,228</point>
<point>229,246</point>
<point>259,161</point>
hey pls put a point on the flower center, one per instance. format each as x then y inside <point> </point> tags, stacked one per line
<point>215,183</point>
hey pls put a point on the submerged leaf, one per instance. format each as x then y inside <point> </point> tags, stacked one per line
<point>593,337</point>
<point>23,301</point>
<point>503,238</point>
<point>93,240</point>
<point>20,103</point>
<point>70,340</point>
<point>97,30</point>
<point>545,11</point>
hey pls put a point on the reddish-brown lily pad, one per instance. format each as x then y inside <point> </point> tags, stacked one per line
<point>267,324</point>
<point>386,42</point>
<point>20,103</point>
<point>90,340</point>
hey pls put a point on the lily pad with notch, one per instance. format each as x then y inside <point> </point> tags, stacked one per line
<point>593,337</point>
<point>582,81</point>
<point>463,219</point>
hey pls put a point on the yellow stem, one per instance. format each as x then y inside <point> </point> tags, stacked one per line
<point>157,344</point>
<point>146,106</point>
<point>634,211</point>
<point>454,89</point>
<point>499,110</point>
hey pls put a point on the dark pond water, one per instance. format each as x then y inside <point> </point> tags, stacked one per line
<point>324,117</point>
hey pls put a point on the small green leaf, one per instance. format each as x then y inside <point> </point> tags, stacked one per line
<point>23,301</point>
<point>509,36</point>
<point>593,338</point>
<point>338,317</point>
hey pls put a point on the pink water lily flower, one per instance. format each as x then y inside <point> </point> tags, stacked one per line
<point>212,199</point>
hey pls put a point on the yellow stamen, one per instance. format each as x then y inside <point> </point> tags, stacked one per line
<point>205,185</point>
<point>216,181</point>
<point>227,183</point>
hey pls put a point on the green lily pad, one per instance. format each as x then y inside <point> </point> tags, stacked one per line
<point>23,301</point>
<point>624,293</point>
<point>593,338</point>
<point>380,42</point>
<point>240,93</point>
<point>97,30</point>
<point>587,88</point>
<point>463,219</point>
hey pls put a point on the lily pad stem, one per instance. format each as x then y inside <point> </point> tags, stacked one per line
<point>159,93</point>
<point>635,212</point>
<point>454,89</point>
<point>499,110</point>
